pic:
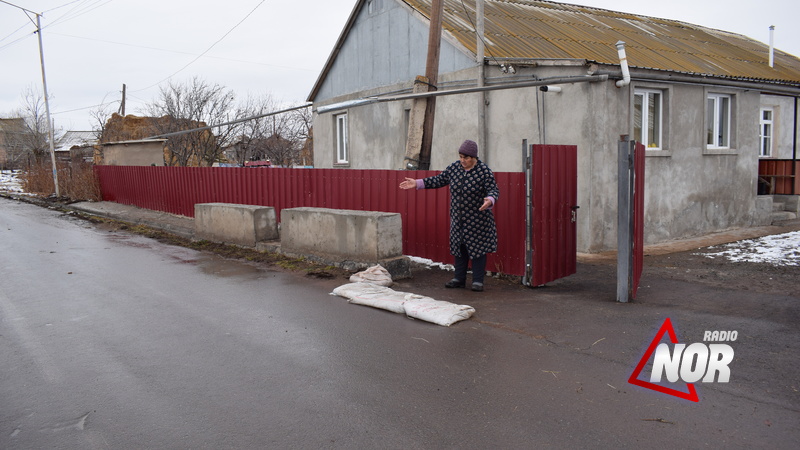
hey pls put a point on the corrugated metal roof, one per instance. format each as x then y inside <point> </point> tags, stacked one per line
<point>550,30</point>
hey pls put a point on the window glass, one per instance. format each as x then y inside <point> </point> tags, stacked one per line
<point>647,118</point>
<point>341,139</point>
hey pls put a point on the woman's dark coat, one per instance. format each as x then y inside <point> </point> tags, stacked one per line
<point>476,229</point>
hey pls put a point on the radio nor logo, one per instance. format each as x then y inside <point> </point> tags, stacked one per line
<point>696,362</point>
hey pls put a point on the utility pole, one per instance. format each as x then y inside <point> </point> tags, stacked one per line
<point>122,104</point>
<point>46,97</point>
<point>432,74</point>
<point>482,145</point>
<point>47,106</point>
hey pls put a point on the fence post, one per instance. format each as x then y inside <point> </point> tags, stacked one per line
<point>625,219</point>
<point>526,169</point>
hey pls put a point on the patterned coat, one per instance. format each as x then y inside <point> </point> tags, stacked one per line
<point>468,225</point>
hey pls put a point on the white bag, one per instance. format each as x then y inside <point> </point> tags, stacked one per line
<point>376,275</point>
<point>436,311</point>
<point>412,305</point>
<point>372,295</point>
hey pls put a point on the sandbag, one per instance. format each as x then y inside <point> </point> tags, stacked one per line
<point>376,274</point>
<point>412,305</point>
<point>372,295</point>
<point>436,311</point>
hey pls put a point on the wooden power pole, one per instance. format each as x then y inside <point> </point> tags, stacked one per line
<point>418,147</point>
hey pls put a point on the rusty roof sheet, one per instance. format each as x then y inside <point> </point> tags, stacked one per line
<point>550,30</point>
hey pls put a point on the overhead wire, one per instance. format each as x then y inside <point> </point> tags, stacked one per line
<point>206,50</point>
<point>480,36</point>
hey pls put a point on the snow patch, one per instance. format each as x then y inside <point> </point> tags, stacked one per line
<point>778,250</point>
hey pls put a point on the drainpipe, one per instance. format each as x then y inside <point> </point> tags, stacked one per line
<point>623,63</point>
<point>772,45</point>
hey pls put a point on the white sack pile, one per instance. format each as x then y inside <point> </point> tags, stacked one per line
<point>412,305</point>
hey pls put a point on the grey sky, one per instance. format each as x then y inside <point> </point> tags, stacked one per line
<point>92,47</point>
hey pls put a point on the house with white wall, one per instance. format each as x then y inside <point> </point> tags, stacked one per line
<point>708,104</point>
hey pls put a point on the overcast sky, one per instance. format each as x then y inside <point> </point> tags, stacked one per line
<point>258,47</point>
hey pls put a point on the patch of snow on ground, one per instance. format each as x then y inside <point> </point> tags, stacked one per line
<point>9,181</point>
<point>430,263</point>
<point>778,250</point>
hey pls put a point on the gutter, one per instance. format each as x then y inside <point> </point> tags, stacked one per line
<point>703,80</point>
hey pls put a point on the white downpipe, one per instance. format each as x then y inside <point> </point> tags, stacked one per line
<point>623,63</point>
<point>772,45</point>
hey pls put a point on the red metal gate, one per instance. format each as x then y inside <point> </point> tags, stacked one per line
<point>553,211</point>
<point>630,218</point>
<point>638,216</point>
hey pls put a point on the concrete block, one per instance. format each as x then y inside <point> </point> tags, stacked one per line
<point>763,211</point>
<point>231,223</point>
<point>342,235</point>
<point>791,203</point>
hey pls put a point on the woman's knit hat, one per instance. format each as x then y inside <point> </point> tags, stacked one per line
<point>469,148</point>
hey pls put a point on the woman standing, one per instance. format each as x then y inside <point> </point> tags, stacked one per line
<point>473,193</point>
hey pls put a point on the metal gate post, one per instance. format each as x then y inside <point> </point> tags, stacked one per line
<point>625,219</point>
<point>526,164</point>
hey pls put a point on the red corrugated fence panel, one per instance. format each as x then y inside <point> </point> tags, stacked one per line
<point>424,213</point>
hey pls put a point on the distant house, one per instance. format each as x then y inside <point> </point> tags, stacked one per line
<point>706,103</point>
<point>76,146</point>
<point>190,149</point>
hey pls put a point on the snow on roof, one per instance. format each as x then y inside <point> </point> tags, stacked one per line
<point>75,139</point>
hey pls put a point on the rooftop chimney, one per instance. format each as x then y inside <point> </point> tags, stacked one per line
<point>772,45</point>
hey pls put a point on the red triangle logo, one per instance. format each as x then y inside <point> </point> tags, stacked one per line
<point>634,378</point>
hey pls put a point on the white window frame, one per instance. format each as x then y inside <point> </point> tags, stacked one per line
<point>766,132</point>
<point>342,143</point>
<point>645,125</point>
<point>719,124</point>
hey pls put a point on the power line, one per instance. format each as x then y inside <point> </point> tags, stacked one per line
<point>207,50</point>
<point>233,122</point>
<point>179,52</point>
<point>78,12</point>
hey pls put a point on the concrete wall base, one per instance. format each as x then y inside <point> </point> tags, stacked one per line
<point>244,225</point>
<point>352,240</point>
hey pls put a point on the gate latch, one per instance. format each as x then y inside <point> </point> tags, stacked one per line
<point>575,213</point>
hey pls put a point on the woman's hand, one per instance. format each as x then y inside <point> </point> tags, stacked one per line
<point>408,183</point>
<point>487,203</point>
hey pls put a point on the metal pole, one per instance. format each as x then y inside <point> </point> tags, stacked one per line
<point>794,152</point>
<point>482,144</point>
<point>624,220</point>
<point>47,108</point>
<point>526,167</point>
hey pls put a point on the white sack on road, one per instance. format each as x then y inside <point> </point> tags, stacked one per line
<point>436,311</point>
<point>412,305</point>
<point>372,295</point>
<point>376,275</point>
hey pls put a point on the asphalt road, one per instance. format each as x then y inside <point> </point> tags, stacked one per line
<point>111,340</point>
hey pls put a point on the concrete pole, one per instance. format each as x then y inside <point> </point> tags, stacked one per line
<point>47,108</point>
<point>432,74</point>
<point>482,140</point>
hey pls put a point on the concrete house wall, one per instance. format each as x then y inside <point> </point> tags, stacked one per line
<point>690,190</point>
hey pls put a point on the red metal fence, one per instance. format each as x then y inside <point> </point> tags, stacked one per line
<point>782,176</point>
<point>424,213</point>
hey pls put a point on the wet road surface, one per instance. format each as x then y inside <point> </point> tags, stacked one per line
<point>110,340</point>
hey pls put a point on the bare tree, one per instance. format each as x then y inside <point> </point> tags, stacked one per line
<point>194,105</point>
<point>28,136</point>
<point>303,121</point>
<point>249,144</point>
<point>275,137</point>
<point>100,116</point>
